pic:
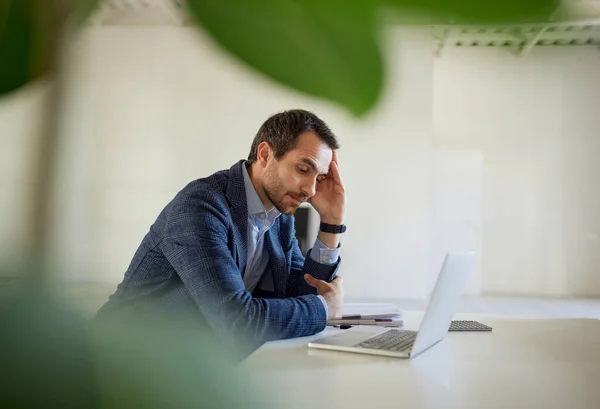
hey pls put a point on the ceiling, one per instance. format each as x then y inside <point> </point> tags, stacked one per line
<point>519,38</point>
<point>580,27</point>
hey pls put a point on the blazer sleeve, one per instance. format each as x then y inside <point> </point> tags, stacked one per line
<point>195,242</point>
<point>296,285</point>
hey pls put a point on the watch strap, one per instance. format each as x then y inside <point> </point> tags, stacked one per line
<point>332,228</point>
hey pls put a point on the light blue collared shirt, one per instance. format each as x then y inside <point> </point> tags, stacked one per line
<point>259,222</point>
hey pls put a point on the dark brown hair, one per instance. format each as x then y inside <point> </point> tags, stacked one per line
<point>281,131</point>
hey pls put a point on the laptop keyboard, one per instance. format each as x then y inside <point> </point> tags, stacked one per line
<point>392,340</point>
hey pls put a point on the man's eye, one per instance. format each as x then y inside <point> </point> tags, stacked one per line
<point>301,170</point>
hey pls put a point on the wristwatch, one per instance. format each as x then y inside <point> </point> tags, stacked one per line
<point>332,228</point>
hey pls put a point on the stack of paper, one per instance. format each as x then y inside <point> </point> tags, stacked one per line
<point>383,314</point>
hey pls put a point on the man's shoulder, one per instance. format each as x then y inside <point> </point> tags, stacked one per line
<point>211,188</point>
<point>222,188</point>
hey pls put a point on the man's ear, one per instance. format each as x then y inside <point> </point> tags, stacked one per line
<point>264,153</point>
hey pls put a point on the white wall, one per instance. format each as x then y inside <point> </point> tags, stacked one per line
<point>535,121</point>
<point>498,158</point>
<point>456,210</point>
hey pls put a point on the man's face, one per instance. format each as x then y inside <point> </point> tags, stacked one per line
<point>293,178</point>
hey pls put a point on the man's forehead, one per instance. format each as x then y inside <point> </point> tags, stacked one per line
<point>312,143</point>
<point>314,163</point>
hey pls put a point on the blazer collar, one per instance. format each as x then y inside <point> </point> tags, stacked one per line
<point>236,195</point>
<point>235,191</point>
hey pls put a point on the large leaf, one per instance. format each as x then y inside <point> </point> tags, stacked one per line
<point>50,357</point>
<point>29,34</point>
<point>325,48</point>
<point>475,11</point>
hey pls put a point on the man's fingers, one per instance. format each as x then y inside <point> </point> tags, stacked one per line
<point>323,286</point>
<point>334,171</point>
<point>338,280</point>
<point>313,282</point>
<point>310,280</point>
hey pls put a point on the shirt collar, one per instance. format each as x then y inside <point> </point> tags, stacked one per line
<point>255,205</point>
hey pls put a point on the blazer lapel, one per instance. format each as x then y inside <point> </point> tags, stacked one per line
<point>276,260</point>
<point>236,195</point>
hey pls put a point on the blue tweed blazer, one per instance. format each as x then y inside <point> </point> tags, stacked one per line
<point>194,256</point>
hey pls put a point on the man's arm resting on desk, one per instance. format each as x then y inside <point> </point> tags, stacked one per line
<point>195,243</point>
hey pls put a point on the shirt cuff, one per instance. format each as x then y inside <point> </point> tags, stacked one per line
<point>324,305</point>
<point>323,254</point>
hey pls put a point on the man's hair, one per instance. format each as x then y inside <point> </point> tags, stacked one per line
<point>281,131</point>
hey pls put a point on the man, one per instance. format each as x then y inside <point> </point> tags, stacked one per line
<point>225,248</point>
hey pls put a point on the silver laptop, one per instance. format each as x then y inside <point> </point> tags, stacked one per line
<point>435,324</point>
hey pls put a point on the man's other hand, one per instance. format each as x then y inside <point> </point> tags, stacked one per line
<point>333,292</point>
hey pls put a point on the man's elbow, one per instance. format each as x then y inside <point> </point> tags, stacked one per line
<point>246,321</point>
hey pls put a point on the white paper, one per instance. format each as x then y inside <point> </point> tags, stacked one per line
<point>370,310</point>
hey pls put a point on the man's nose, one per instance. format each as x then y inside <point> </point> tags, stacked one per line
<point>310,189</point>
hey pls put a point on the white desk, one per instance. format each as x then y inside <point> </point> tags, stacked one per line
<point>523,363</point>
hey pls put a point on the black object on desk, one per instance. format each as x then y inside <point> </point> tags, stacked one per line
<point>468,326</point>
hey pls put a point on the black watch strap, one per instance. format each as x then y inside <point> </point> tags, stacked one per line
<point>332,228</point>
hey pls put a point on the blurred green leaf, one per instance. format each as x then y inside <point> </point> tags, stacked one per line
<point>83,9</point>
<point>51,357</point>
<point>29,33</point>
<point>324,48</point>
<point>45,356</point>
<point>16,33</point>
<point>476,11</point>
